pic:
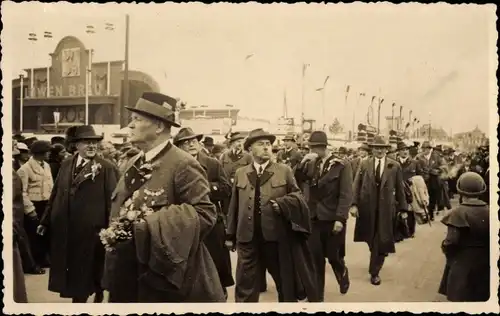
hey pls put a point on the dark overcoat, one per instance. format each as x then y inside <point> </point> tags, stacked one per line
<point>377,205</point>
<point>76,212</point>
<point>220,189</point>
<point>291,157</point>
<point>231,162</point>
<point>176,178</point>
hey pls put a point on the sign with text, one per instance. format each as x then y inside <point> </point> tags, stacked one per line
<point>72,90</point>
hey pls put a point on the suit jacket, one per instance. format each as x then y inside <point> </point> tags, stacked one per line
<point>220,187</point>
<point>231,162</point>
<point>378,204</point>
<point>431,167</point>
<point>410,168</point>
<point>330,193</point>
<point>277,180</point>
<point>177,178</point>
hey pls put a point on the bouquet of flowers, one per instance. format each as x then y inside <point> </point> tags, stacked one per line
<point>120,228</point>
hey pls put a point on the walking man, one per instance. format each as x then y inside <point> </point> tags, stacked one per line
<point>330,195</point>
<point>378,190</point>
<point>78,208</point>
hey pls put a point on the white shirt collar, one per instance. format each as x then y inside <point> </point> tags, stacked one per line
<point>79,160</point>
<point>428,156</point>
<point>152,153</point>
<point>382,161</point>
<point>403,160</point>
<point>264,165</point>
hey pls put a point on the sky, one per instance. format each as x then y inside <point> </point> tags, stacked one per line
<point>436,60</point>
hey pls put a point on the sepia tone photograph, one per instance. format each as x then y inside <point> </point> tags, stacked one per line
<point>306,157</point>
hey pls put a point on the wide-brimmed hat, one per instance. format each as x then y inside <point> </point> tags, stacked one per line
<point>364,146</point>
<point>40,147</point>
<point>235,136</point>
<point>341,151</point>
<point>15,151</point>
<point>289,137</point>
<point>85,132</point>
<point>208,141</point>
<point>317,138</point>
<point>159,106</point>
<point>401,146</point>
<point>471,184</point>
<point>184,134</point>
<point>426,144</point>
<point>256,135</point>
<point>379,142</point>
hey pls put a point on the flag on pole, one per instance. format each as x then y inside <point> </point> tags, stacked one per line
<point>248,57</point>
<point>362,94</point>
<point>347,92</point>
<point>373,98</point>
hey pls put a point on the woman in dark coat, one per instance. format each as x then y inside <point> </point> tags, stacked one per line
<point>20,295</point>
<point>466,276</point>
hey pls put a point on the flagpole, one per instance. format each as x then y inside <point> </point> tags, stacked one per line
<point>400,124</point>
<point>21,104</point>
<point>304,67</point>
<point>354,113</point>
<point>126,96</point>
<point>380,101</point>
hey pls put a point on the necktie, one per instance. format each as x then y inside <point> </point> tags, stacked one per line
<point>260,171</point>
<point>377,170</point>
<point>79,168</point>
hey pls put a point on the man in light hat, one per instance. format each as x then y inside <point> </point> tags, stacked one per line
<point>235,157</point>
<point>431,164</point>
<point>172,184</point>
<point>78,208</point>
<point>289,155</point>
<point>329,181</point>
<point>265,196</point>
<point>220,189</point>
<point>378,191</point>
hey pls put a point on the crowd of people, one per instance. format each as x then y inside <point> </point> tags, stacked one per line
<point>155,219</point>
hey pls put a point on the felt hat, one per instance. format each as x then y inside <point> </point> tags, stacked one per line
<point>426,144</point>
<point>235,136</point>
<point>401,146</point>
<point>40,147</point>
<point>22,147</point>
<point>208,141</point>
<point>256,135</point>
<point>57,140</point>
<point>85,132</point>
<point>159,106</point>
<point>289,137</point>
<point>365,147</point>
<point>379,142</point>
<point>317,138</point>
<point>186,133</point>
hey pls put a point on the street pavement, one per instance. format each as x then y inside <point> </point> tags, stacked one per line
<point>412,274</point>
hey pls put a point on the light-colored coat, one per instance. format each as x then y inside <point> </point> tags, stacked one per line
<point>37,183</point>
<point>277,181</point>
<point>420,195</point>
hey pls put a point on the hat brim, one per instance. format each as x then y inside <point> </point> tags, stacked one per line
<point>250,140</point>
<point>312,144</point>
<point>289,139</point>
<point>380,146</point>
<point>236,138</point>
<point>180,140</point>
<point>147,114</point>
<point>96,137</point>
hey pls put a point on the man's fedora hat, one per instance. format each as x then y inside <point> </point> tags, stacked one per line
<point>365,147</point>
<point>379,142</point>
<point>256,135</point>
<point>235,136</point>
<point>159,106</point>
<point>40,147</point>
<point>186,133</point>
<point>426,144</point>
<point>289,137</point>
<point>208,141</point>
<point>317,138</point>
<point>85,132</point>
<point>401,146</point>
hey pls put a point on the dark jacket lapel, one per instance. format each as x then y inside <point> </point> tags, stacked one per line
<point>385,172</point>
<point>252,175</point>
<point>267,173</point>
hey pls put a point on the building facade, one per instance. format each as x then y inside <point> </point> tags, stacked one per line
<point>60,88</point>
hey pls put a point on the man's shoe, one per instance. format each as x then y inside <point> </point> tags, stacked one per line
<point>375,280</point>
<point>344,282</point>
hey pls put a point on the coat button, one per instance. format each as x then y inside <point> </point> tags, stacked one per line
<point>249,207</point>
<point>249,217</point>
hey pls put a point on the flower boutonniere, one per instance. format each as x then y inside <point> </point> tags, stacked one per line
<point>146,169</point>
<point>94,170</point>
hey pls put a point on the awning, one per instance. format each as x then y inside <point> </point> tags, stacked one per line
<point>68,101</point>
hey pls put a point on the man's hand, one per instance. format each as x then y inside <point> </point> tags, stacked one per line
<point>40,230</point>
<point>404,215</point>
<point>275,206</point>
<point>354,211</point>
<point>337,227</point>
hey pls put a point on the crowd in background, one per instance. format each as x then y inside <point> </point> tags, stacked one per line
<point>428,188</point>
